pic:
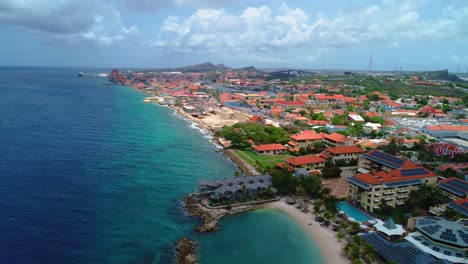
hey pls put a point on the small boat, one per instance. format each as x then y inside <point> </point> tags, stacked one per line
<point>80,74</point>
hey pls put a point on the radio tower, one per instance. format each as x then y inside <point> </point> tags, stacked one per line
<point>370,63</point>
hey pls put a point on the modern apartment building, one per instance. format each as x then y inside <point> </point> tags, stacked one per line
<point>393,186</point>
<point>375,160</point>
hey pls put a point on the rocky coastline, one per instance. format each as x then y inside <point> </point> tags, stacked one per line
<point>186,252</point>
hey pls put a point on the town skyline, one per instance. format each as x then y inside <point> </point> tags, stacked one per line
<point>413,35</point>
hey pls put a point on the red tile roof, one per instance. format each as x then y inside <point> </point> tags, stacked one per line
<point>392,176</point>
<point>307,135</point>
<point>269,147</point>
<point>447,127</point>
<point>345,150</point>
<point>461,201</point>
<point>304,160</point>
<point>336,137</point>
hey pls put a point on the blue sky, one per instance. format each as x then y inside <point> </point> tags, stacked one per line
<point>333,34</point>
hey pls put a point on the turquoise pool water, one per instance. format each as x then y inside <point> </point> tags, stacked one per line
<point>353,212</point>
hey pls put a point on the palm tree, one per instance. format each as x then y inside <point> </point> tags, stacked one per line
<point>343,225</point>
<point>355,251</point>
<point>356,261</point>
<point>318,208</point>
<point>340,236</point>
<point>357,240</point>
<point>368,253</point>
<point>347,249</point>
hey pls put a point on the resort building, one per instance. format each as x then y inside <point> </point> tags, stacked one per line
<point>311,162</point>
<point>376,161</point>
<point>367,190</point>
<point>401,253</point>
<point>460,205</point>
<point>336,139</point>
<point>235,188</point>
<point>348,154</point>
<point>389,229</point>
<point>306,138</point>
<point>269,149</point>
<point>441,238</point>
<point>454,188</point>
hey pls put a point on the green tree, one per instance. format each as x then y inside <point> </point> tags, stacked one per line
<point>332,172</point>
<point>284,181</point>
<point>312,185</point>
<point>340,236</point>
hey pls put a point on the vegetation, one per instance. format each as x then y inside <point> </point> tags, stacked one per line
<point>379,84</point>
<point>240,133</point>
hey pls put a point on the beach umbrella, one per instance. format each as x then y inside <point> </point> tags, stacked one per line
<point>363,226</point>
<point>351,219</point>
<point>372,222</point>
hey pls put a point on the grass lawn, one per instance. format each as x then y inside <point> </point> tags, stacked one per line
<point>264,160</point>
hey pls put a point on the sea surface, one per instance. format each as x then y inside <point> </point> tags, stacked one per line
<point>90,174</point>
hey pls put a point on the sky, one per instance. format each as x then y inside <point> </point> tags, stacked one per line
<point>307,34</point>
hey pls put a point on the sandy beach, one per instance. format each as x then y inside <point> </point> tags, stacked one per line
<point>324,237</point>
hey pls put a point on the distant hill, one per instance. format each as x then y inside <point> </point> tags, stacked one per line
<point>442,75</point>
<point>249,69</point>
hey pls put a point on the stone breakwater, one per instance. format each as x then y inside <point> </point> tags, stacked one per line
<point>186,252</point>
<point>210,216</point>
<point>243,166</point>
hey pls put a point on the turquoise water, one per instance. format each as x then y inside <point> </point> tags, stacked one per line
<point>351,211</point>
<point>90,174</point>
<point>263,236</point>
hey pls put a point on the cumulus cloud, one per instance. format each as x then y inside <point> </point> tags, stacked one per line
<point>263,29</point>
<point>71,21</point>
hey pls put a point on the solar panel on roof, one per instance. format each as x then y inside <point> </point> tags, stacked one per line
<point>459,185</point>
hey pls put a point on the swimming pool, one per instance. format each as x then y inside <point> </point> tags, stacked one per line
<point>353,212</point>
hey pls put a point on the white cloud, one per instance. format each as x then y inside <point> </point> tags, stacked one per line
<point>263,29</point>
<point>67,20</point>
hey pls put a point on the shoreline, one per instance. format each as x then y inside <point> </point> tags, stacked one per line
<point>325,239</point>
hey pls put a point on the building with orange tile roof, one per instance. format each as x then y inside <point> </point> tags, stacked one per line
<point>311,162</point>
<point>394,186</point>
<point>269,149</point>
<point>346,154</point>
<point>336,139</point>
<point>306,138</point>
<point>446,149</point>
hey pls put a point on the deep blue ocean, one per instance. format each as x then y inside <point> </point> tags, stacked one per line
<point>90,174</point>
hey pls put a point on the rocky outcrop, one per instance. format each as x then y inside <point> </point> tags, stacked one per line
<point>193,208</point>
<point>186,252</point>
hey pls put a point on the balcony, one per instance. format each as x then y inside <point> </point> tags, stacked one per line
<point>388,199</point>
<point>402,197</point>
<point>402,191</point>
<point>388,193</point>
<point>377,195</point>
